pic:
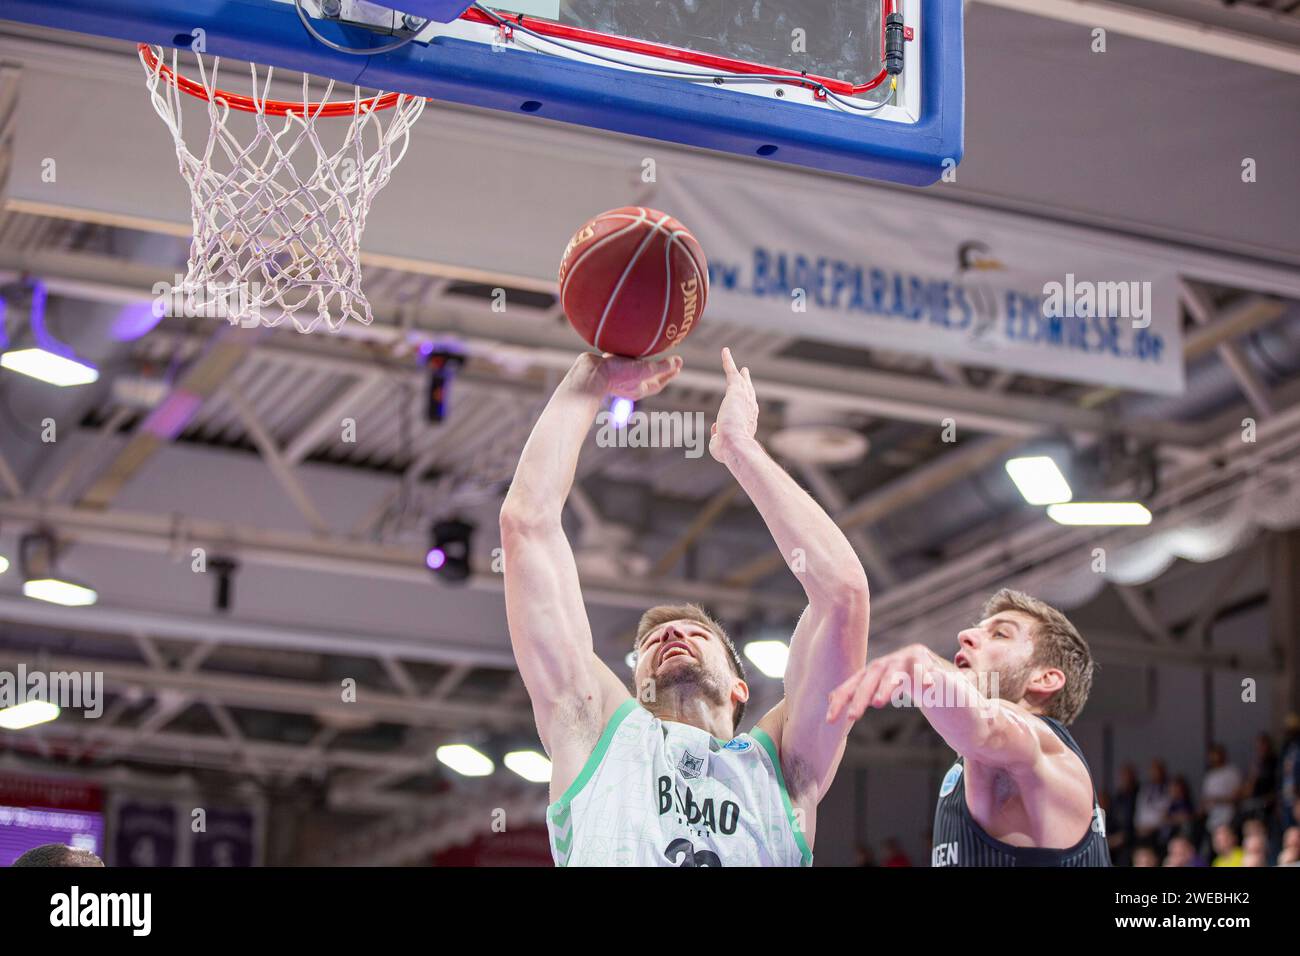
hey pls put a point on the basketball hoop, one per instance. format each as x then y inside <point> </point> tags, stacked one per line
<point>271,240</point>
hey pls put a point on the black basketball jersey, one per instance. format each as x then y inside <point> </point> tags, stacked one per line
<point>960,841</point>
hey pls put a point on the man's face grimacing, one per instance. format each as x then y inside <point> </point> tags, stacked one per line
<point>998,655</point>
<point>686,652</point>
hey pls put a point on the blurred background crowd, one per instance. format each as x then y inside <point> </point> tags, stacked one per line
<point>1243,810</point>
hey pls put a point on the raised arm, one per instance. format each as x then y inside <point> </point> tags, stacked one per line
<point>830,641</point>
<point>571,689</point>
<point>994,736</point>
<point>989,730</point>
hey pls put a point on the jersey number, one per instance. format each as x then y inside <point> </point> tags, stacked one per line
<point>683,854</point>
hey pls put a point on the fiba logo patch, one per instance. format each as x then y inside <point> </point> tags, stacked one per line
<point>950,780</point>
<point>690,766</point>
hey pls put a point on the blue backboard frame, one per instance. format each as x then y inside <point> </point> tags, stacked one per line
<point>565,90</point>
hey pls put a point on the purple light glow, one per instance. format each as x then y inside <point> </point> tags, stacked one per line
<point>435,559</point>
<point>621,411</point>
<point>170,418</point>
<point>136,320</point>
<point>36,318</point>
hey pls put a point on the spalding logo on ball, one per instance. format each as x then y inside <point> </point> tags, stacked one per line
<point>633,282</point>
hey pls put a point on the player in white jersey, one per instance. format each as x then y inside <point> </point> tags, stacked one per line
<point>663,778</point>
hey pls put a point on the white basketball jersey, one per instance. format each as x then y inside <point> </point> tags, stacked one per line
<point>661,793</point>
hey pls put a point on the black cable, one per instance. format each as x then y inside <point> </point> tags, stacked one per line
<point>354,51</point>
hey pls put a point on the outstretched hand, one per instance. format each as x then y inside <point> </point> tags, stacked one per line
<point>873,686</point>
<point>738,414</point>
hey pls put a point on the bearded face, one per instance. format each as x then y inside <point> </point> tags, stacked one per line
<point>684,654</point>
<point>997,655</point>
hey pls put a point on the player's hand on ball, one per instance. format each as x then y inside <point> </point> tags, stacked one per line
<point>636,379</point>
<point>738,414</point>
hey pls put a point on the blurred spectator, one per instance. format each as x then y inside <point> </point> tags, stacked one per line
<point>1145,855</point>
<point>1253,827</point>
<point>1220,789</point>
<point>1120,822</point>
<point>1260,792</point>
<point>1182,852</point>
<point>865,856</point>
<point>1289,777</point>
<point>1227,851</point>
<point>1181,815</point>
<point>1290,855</point>
<point>894,854</point>
<point>1254,851</point>
<point>1152,802</point>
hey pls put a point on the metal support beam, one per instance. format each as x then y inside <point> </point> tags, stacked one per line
<point>1139,606</point>
<point>8,479</point>
<point>1284,620</point>
<point>707,516</point>
<point>339,555</point>
<point>199,382</point>
<point>330,417</point>
<point>917,485</point>
<point>283,696</point>
<point>877,566</point>
<point>1202,310</point>
<point>280,467</point>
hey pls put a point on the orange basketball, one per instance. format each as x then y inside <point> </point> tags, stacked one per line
<point>633,282</point>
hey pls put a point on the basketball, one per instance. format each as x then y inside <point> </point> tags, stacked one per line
<point>633,282</point>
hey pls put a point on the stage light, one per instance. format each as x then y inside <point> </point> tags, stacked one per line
<point>620,411</point>
<point>443,366</point>
<point>225,570</point>
<point>770,657</point>
<point>4,564</point>
<point>530,765</point>
<point>465,760</point>
<point>1100,513</point>
<point>41,579</point>
<point>48,360</point>
<point>1039,480</point>
<point>28,714</point>
<point>449,549</point>
<point>49,367</point>
<point>58,591</point>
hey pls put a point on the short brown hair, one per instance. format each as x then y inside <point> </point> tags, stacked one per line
<point>664,613</point>
<point>57,854</point>
<point>1057,643</point>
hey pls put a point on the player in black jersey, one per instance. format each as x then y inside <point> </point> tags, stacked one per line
<point>1020,793</point>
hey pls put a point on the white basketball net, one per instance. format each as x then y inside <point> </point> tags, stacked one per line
<point>270,239</point>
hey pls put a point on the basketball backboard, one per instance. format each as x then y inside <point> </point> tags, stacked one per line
<point>803,82</point>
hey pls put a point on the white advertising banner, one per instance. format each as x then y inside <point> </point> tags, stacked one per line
<point>844,269</point>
